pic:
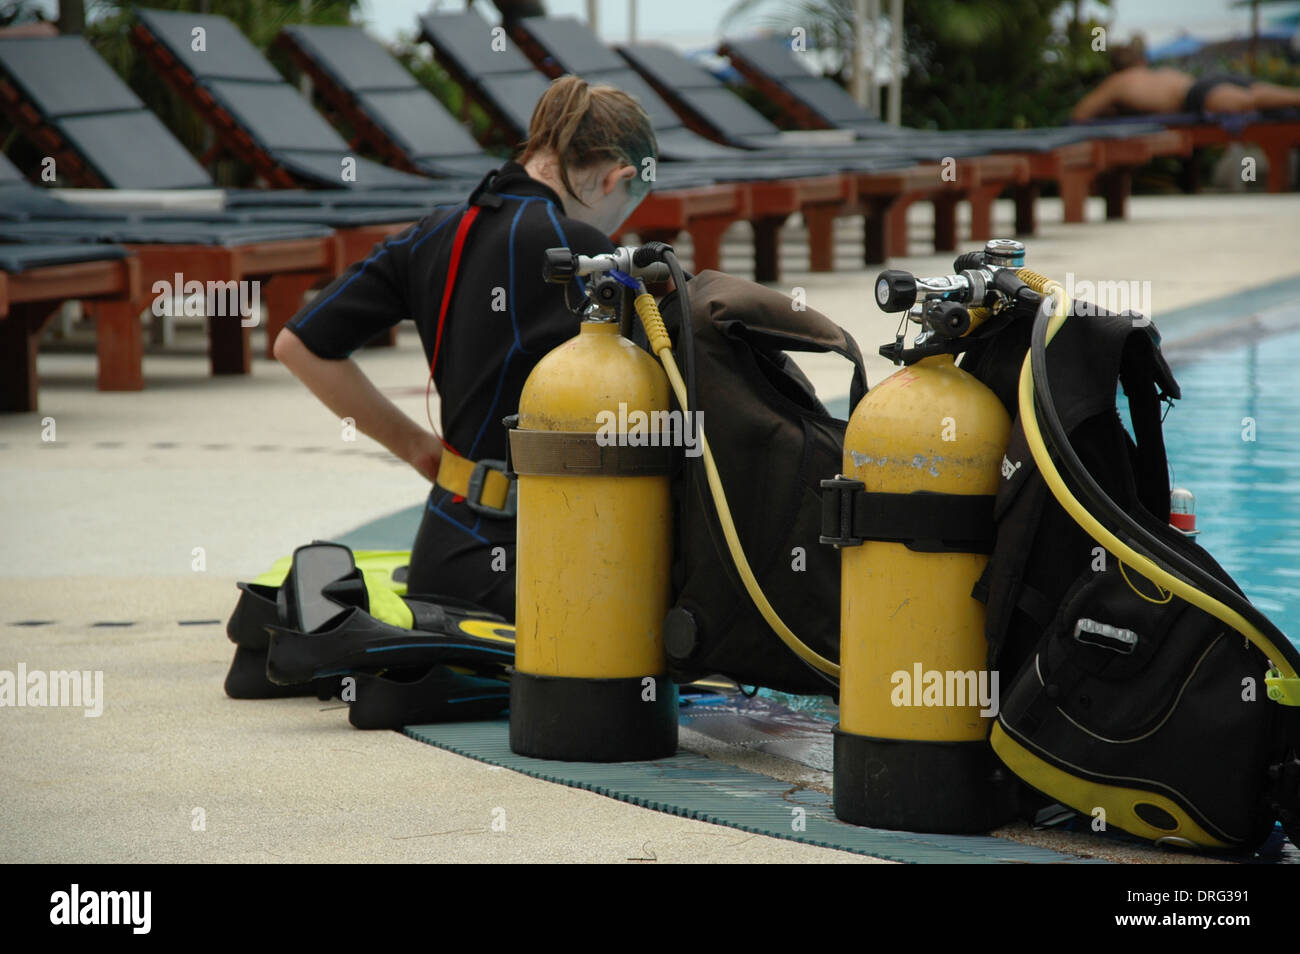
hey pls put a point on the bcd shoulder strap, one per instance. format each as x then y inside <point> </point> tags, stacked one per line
<point>1085,362</point>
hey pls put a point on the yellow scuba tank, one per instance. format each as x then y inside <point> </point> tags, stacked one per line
<point>913,512</point>
<point>594,551</point>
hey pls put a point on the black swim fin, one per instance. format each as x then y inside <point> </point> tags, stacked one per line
<point>325,626</point>
<point>418,696</point>
<point>255,610</point>
<point>247,680</point>
<point>356,641</point>
<point>246,628</point>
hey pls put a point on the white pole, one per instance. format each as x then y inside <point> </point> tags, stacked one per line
<point>304,81</point>
<point>873,90</point>
<point>631,21</point>
<point>593,15</point>
<point>859,77</point>
<point>896,56</point>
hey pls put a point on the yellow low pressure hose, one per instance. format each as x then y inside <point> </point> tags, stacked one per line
<point>1283,685</point>
<point>662,346</point>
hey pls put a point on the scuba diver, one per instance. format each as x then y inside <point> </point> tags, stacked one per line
<point>470,276</point>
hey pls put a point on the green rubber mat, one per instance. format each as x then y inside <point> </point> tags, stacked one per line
<point>692,786</point>
<point>394,532</point>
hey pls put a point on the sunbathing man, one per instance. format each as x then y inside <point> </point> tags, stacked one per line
<point>1135,89</point>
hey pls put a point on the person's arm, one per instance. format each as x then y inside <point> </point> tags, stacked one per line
<point>316,344</point>
<point>343,387</point>
<point>1096,104</point>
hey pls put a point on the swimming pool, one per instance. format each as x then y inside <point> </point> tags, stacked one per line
<point>1234,441</point>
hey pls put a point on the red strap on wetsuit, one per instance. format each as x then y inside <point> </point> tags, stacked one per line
<point>457,248</point>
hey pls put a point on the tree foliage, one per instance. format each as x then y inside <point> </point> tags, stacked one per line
<point>969,63</point>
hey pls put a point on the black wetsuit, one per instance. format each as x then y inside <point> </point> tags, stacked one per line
<point>501,321</point>
<point>1194,101</point>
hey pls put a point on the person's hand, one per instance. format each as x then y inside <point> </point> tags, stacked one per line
<point>426,456</point>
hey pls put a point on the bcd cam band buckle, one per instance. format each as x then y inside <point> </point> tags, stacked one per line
<point>837,511</point>
<point>922,521</point>
<point>474,491</point>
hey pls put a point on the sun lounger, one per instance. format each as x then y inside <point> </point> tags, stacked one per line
<point>1276,132</point>
<point>286,258</point>
<point>99,134</point>
<point>256,115</point>
<point>388,110</point>
<point>1075,158</point>
<point>35,280</point>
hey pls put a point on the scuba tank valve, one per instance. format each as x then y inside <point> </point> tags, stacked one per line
<point>949,307</point>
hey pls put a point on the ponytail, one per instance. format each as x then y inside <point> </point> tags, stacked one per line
<point>583,125</point>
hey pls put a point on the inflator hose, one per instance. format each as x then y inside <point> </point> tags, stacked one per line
<point>687,329</point>
<point>1225,605</point>
<point>661,345</point>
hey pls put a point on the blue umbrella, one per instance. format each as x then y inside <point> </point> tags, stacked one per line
<point>1185,45</point>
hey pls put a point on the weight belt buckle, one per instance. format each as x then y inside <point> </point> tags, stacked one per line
<point>474,492</point>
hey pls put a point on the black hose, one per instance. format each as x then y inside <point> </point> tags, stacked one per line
<point>686,332</point>
<point>1113,517</point>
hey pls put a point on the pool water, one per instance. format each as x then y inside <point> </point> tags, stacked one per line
<point>1234,441</point>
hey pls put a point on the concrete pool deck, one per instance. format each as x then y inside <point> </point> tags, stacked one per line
<point>148,506</point>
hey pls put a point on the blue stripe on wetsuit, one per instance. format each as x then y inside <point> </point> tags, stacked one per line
<point>436,508</point>
<point>523,201</point>
<point>391,243</point>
